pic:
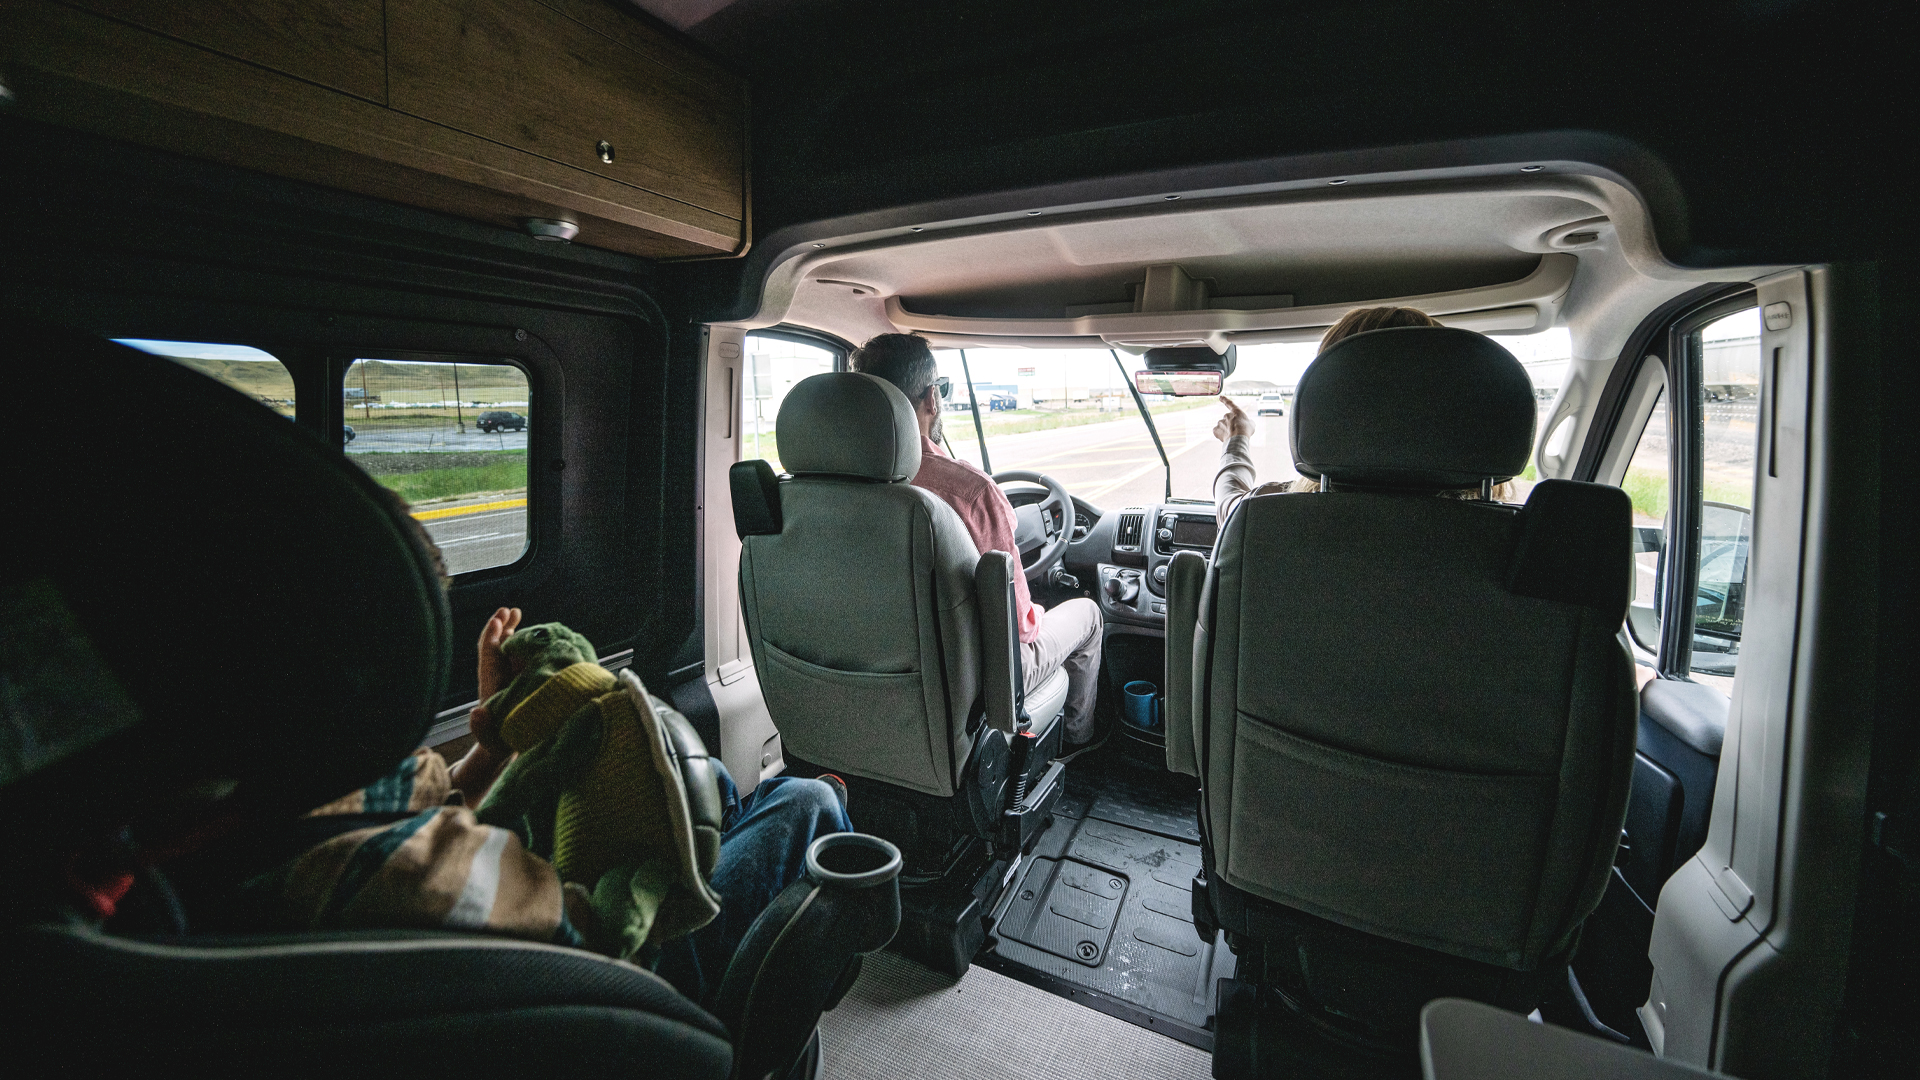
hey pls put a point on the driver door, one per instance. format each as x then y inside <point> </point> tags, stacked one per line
<point>748,376</point>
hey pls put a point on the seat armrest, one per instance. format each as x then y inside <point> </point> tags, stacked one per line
<point>1186,576</point>
<point>1001,679</point>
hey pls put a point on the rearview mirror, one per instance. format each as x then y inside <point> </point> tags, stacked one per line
<point>1178,383</point>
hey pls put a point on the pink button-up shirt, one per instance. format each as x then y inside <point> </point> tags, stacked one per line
<point>987,514</point>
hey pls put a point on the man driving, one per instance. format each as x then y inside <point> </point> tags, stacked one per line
<point>1066,636</point>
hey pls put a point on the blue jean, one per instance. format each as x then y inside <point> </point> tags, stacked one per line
<point>763,846</point>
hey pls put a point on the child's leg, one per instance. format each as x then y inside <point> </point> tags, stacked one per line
<point>762,852</point>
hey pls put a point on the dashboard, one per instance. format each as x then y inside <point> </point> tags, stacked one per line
<point>1121,556</point>
<point>1124,556</point>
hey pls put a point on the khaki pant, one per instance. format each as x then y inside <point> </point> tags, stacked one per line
<point>1069,638</point>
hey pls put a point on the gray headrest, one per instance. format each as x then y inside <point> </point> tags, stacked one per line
<point>843,423</point>
<point>1413,407</point>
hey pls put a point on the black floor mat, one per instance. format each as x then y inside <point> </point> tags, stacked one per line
<point>1102,909</point>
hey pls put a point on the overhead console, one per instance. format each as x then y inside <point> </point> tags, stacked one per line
<point>1184,315</point>
<point>563,118</point>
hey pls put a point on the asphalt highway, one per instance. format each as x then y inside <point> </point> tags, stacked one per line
<point>434,440</point>
<point>1113,464</point>
<point>474,536</point>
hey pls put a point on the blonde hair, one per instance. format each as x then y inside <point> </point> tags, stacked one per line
<point>1361,320</point>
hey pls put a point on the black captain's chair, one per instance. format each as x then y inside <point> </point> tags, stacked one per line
<point>1411,715</point>
<point>211,617</point>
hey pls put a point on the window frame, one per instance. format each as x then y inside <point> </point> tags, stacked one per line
<point>842,351</point>
<point>1666,338</point>
<point>339,362</point>
<point>1686,461</point>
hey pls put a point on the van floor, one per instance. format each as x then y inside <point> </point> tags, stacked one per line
<point>902,1020</point>
<point>1100,912</point>
<point>1092,966</point>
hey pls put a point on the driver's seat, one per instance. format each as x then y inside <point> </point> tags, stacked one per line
<point>885,644</point>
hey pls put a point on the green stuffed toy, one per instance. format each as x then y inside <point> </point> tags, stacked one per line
<point>596,790</point>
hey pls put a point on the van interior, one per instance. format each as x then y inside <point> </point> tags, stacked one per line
<point>1602,765</point>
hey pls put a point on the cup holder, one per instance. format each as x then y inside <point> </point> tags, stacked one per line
<point>852,861</point>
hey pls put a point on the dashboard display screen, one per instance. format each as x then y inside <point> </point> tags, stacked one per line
<point>1194,532</point>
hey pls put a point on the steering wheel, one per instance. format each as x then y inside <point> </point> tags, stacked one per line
<point>1041,544</point>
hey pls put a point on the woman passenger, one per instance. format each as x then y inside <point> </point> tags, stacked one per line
<point>1236,479</point>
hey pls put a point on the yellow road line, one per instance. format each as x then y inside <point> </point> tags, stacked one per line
<point>462,511</point>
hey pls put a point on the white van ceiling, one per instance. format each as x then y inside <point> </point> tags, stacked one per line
<point>1511,255</point>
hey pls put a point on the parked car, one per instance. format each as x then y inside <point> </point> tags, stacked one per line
<point>501,420</point>
<point>347,430</point>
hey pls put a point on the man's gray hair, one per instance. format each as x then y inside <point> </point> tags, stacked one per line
<point>905,360</point>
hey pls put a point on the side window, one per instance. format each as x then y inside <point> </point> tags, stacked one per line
<point>772,366</point>
<point>1691,479</point>
<point>1729,364</point>
<point>1646,482</point>
<point>450,437</point>
<point>256,373</point>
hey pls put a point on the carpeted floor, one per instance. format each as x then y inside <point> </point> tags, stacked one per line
<point>901,1020</point>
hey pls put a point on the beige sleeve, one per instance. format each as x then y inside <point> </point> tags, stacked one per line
<point>1236,479</point>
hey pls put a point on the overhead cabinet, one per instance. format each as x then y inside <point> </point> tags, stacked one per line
<point>500,110</point>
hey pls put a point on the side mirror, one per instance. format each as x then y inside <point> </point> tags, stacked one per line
<point>1179,383</point>
<point>1719,611</point>
<point>1643,614</point>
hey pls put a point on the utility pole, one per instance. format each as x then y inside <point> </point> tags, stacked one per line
<point>458,414</point>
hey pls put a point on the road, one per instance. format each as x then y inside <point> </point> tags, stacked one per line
<point>432,439</point>
<point>474,536</point>
<point>1113,464</point>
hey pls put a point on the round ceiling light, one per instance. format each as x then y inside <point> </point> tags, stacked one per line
<point>552,230</point>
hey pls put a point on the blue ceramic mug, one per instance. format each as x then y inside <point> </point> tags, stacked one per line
<point>1140,704</point>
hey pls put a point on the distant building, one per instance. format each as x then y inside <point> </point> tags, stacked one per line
<point>1730,369</point>
<point>1064,397</point>
<point>1254,387</point>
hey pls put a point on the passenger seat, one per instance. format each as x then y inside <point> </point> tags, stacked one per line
<point>1411,715</point>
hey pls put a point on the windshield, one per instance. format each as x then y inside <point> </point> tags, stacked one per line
<point>1068,413</point>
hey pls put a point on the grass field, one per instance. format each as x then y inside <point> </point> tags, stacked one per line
<point>422,477</point>
<point>420,419</point>
<point>1014,422</point>
<point>1648,489</point>
<point>387,382</point>
<point>1021,421</point>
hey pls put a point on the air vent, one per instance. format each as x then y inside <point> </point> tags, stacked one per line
<point>1132,521</point>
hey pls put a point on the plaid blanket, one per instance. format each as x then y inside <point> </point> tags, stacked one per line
<point>438,868</point>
